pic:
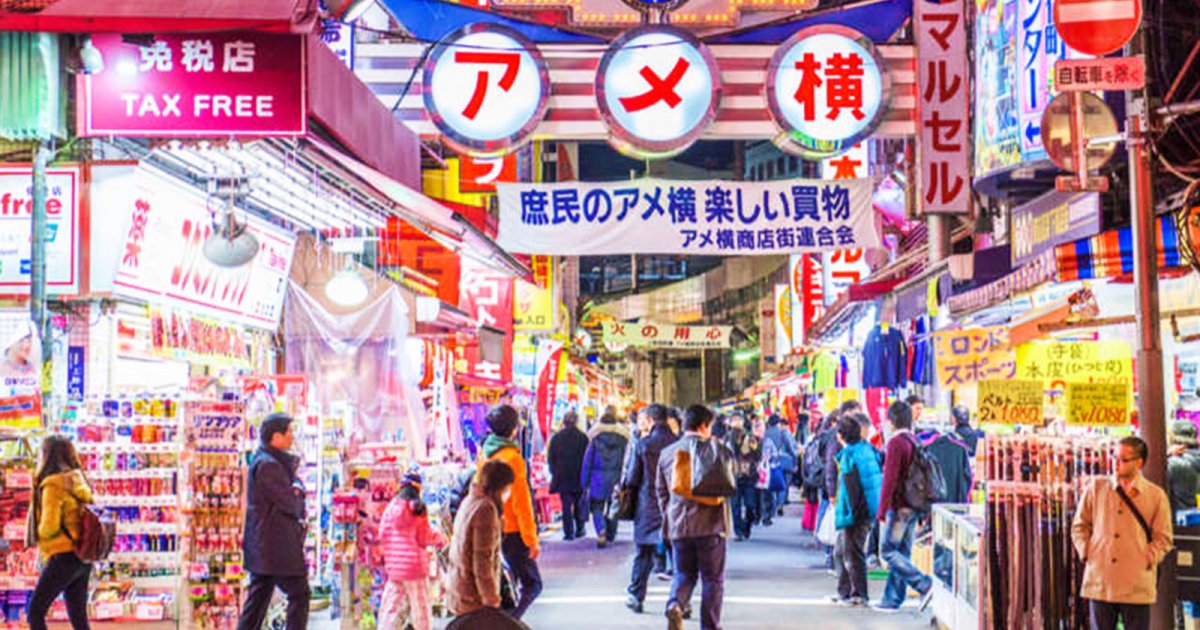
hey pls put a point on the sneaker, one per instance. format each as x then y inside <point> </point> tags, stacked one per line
<point>601,543</point>
<point>856,602</point>
<point>836,599</point>
<point>887,610</point>
<point>664,576</point>
<point>687,612</point>
<point>634,604</point>
<point>674,617</point>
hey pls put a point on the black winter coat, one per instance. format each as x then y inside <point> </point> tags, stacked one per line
<point>640,474</point>
<point>273,541</point>
<point>565,457</point>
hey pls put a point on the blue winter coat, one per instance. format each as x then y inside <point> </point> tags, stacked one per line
<point>640,475</point>
<point>603,459</point>
<point>863,457</point>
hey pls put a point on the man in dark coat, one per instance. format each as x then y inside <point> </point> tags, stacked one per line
<point>565,457</point>
<point>273,541</point>
<point>601,472</point>
<point>648,522</point>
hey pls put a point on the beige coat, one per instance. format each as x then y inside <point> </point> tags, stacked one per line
<point>473,581</point>
<point>1120,563</point>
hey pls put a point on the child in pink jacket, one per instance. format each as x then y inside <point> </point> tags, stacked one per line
<point>405,536</point>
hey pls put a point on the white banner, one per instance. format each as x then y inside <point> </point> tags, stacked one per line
<point>654,216</point>
<point>62,230</point>
<point>651,335</point>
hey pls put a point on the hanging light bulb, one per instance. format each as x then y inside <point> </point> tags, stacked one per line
<point>347,287</point>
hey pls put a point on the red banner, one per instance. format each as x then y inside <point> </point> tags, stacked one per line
<point>403,245</point>
<point>546,390</point>
<point>486,295</point>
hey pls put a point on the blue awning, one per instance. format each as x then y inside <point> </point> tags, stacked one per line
<point>431,20</point>
<point>878,19</point>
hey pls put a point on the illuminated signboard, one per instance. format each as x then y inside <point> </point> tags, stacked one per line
<point>486,88</point>
<point>827,90</point>
<point>658,89</point>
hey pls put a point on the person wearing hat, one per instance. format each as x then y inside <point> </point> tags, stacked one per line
<point>405,536</point>
<point>1183,466</point>
<point>273,541</point>
<point>963,430</point>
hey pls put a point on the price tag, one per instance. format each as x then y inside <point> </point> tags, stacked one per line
<point>1098,404</point>
<point>148,611</point>
<point>109,610</point>
<point>18,478</point>
<point>14,530</point>
<point>1011,402</point>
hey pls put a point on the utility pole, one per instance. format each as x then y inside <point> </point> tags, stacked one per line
<point>37,290</point>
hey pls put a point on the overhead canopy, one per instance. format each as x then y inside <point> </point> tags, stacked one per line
<point>431,20</point>
<point>1111,254</point>
<point>877,19</point>
<point>160,16</point>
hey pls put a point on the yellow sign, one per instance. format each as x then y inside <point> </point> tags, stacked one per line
<point>968,356</point>
<point>1098,404</point>
<point>835,397</point>
<point>1011,402</point>
<point>533,303</point>
<point>1058,363</point>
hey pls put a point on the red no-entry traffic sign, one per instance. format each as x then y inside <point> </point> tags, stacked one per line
<point>1097,27</point>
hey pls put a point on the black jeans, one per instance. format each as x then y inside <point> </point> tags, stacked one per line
<point>643,565</point>
<point>258,600</point>
<point>606,528</point>
<point>704,559</point>
<point>745,509</point>
<point>524,570</point>
<point>574,514</point>
<point>852,572</point>
<point>63,573</point>
<point>1105,614</point>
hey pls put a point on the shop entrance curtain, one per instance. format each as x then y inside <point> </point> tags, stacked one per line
<point>358,360</point>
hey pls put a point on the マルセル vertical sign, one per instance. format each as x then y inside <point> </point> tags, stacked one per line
<point>943,85</point>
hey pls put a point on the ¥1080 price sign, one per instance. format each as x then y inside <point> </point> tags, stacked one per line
<point>1011,402</point>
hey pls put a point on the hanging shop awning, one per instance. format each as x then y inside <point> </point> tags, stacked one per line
<point>33,107</point>
<point>1111,254</point>
<point>856,301</point>
<point>158,16</point>
<point>1032,274</point>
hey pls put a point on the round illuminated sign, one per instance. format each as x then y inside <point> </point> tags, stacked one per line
<point>658,89</point>
<point>486,87</point>
<point>827,89</point>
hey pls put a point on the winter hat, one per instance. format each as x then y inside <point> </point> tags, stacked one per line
<point>961,414</point>
<point>412,478</point>
<point>1183,432</point>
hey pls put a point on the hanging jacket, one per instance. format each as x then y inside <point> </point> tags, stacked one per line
<point>603,459</point>
<point>862,457</point>
<point>518,511</point>
<point>565,458</point>
<point>885,359</point>
<point>968,436</point>
<point>955,461</point>
<point>406,539</point>
<point>56,517</point>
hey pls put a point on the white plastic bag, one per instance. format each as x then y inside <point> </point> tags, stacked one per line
<point>827,530</point>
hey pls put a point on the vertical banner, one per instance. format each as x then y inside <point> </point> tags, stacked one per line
<point>486,295</point>
<point>403,245</point>
<point>534,303</point>
<point>547,390</point>
<point>842,268</point>
<point>808,295</point>
<point>942,84</point>
<point>783,321</point>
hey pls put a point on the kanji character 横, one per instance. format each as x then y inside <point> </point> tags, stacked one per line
<point>565,202</point>
<point>939,182</point>
<point>533,207</point>
<point>805,198</point>
<point>938,84</point>
<point>156,57</point>
<point>725,239</point>
<point>662,89</point>
<point>511,62</point>
<point>597,206</point>
<point>718,205</point>
<point>745,239</point>
<point>844,74</point>
<point>629,198</point>
<point>654,204</point>
<point>835,200</point>
<point>785,238</point>
<point>845,236</point>
<point>810,80</point>
<point>239,57</point>
<point>197,55</point>
<point>681,204</point>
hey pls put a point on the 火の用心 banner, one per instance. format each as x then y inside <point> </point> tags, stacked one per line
<point>653,335</point>
<point>654,216</point>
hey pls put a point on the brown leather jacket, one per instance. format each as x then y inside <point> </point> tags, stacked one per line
<point>473,581</point>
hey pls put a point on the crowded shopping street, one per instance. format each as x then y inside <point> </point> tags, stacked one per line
<point>599,314</point>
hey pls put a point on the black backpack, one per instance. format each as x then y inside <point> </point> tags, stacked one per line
<point>924,484</point>
<point>814,461</point>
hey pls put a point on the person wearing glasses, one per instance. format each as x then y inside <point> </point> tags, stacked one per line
<point>1122,531</point>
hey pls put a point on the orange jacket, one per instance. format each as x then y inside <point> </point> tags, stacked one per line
<point>518,510</point>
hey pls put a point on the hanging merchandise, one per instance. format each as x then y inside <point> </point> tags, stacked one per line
<point>885,358</point>
<point>18,563</point>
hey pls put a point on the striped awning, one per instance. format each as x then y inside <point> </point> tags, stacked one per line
<point>1110,254</point>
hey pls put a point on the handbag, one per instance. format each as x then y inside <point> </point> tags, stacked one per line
<point>764,476</point>
<point>712,469</point>
<point>623,506</point>
<point>827,530</point>
<point>778,482</point>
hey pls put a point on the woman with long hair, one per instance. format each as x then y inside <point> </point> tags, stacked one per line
<point>54,523</point>
<point>405,535</point>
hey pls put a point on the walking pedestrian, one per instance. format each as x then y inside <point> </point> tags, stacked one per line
<point>856,507</point>
<point>648,522</point>
<point>900,519</point>
<point>565,458</point>
<point>784,460</point>
<point>601,472</point>
<point>273,540</point>
<point>60,493</point>
<point>697,528</point>
<point>473,583</point>
<point>747,453</point>
<point>764,493</point>
<point>1122,531</point>
<point>405,536</point>
<point>520,544</point>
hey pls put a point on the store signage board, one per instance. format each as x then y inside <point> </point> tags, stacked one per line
<point>1050,220</point>
<point>1097,27</point>
<point>658,88</point>
<point>196,85</point>
<point>943,87</point>
<point>807,278</point>
<point>1102,74</point>
<point>996,117</point>
<point>487,297</point>
<point>1098,404</point>
<point>1038,48</point>
<point>1011,402</point>
<point>654,216</point>
<point>1057,364</point>
<point>827,90</point>
<point>534,303</point>
<point>655,335</point>
<point>162,258</point>
<point>965,357</point>
<point>62,230</point>
<point>845,267</point>
<point>783,321</point>
<point>486,87</point>
<point>338,36</point>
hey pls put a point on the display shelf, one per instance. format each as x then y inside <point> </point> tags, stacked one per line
<point>132,474</point>
<point>115,447</point>
<point>139,527</point>
<point>164,500</point>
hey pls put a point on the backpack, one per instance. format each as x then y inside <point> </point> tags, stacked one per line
<point>814,462</point>
<point>97,531</point>
<point>923,484</point>
<point>681,480</point>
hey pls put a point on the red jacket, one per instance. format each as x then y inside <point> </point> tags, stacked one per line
<point>896,461</point>
<point>405,538</point>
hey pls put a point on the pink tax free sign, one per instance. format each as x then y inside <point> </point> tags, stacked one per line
<point>196,84</point>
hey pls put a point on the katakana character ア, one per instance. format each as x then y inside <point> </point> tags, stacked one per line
<point>785,238</point>
<point>597,206</point>
<point>805,198</point>
<point>745,239</point>
<point>654,203</point>
<point>810,80</point>
<point>766,239</point>
<point>718,205</point>
<point>689,237</point>
<point>566,205</point>
<point>835,200</point>
<point>845,90</point>
<point>533,207</point>
<point>681,204</point>
<point>845,236</point>
<point>804,237</point>
<point>942,36</point>
<point>197,55</point>
<point>825,236</point>
<point>157,57</point>
<point>511,62</point>
<point>939,84</point>
<point>939,182</point>
<point>629,199</point>
<point>725,239</point>
<point>239,57</point>
<point>662,89</point>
